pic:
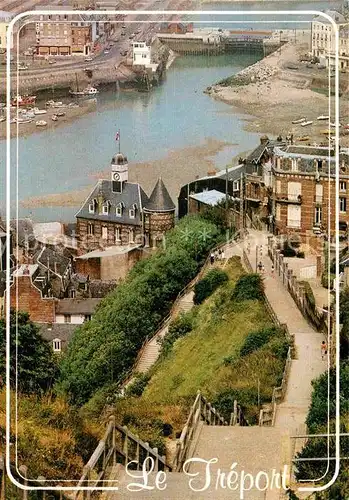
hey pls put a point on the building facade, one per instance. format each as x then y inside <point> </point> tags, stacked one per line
<point>141,54</point>
<point>118,213</point>
<point>323,38</point>
<point>303,197</point>
<point>5,18</point>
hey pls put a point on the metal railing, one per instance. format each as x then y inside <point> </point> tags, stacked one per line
<point>200,411</point>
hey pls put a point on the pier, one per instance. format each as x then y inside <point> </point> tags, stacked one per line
<point>217,41</point>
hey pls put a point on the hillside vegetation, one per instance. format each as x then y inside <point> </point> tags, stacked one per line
<point>209,355</point>
<point>104,349</point>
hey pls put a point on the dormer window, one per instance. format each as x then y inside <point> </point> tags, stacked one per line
<point>57,345</point>
<point>105,208</point>
<point>132,211</point>
<point>236,186</point>
<point>92,206</point>
<point>119,209</point>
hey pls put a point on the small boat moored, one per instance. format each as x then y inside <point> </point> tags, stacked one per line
<point>38,111</point>
<point>60,113</point>
<point>41,123</point>
<point>54,118</point>
<point>323,117</point>
<point>305,124</point>
<point>300,120</point>
<point>303,138</point>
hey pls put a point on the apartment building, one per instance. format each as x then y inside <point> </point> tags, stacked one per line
<point>323,38</point>
<point>303,197</point>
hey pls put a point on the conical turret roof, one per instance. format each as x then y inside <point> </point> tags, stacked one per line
<point>160,200</point>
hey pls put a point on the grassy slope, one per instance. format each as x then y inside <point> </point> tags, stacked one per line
<point>197,361</point>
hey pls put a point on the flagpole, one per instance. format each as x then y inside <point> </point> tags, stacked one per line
<point>119,141</point>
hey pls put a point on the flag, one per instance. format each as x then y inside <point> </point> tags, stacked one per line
<point>117,137</point>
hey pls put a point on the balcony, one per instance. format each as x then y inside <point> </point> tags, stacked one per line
<point>289,198</point>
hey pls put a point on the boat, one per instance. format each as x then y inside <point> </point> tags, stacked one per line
<point>41,123</point>
<point>59,104</point>
<point>323,117</point>
<point>327,131</point>
<point>38,111</point>
<point>60,113</point>
<point>23,100</point>
<point>303,138</point>
<point>54,104</point>
<point>73,105</point>
<point>2,119</point>
<point>304,124</point>
<point>23,120</point>
<point>333,124</point>
<point>83,93</point>
<point>54,118</point>
<point>86,92</point>
<point>300,120</point>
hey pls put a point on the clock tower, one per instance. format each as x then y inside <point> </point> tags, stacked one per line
<point>119,172</point>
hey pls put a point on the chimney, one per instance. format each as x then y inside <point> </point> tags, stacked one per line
<point>264,139</point>
<point>26,270</point>
<point>211,173</point>
<point>55,265</point>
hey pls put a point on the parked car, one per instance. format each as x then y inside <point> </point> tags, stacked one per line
<point>52,61</point>
<point>88,59</point>
<point>106,51</point>
<point>22,67</point>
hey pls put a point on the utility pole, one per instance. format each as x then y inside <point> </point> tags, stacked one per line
<point>257,247</point>
<point>227,217</point>
<point>242,193</point>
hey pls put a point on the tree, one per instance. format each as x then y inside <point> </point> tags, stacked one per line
<point>36,367</point>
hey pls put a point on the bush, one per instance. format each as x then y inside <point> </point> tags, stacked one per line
<point>138,385</point>
<point>257,339</point>
<point>300,255</point>
<point>309,295</point>
<point>249,287</point>
<point>288,251</point>
<point>279,347</point>
<point>208,284</point>
<point>104,349</point>
<point>224,400</point>
<point>325,282</point>
<point>179,327</point>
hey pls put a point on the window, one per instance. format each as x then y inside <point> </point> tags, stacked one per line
<point>294,165</point>
<point>342,204</point>
<point>67,318</point>
<point>342,186</point>
<point>73,293</point>
<point>278,187</point>
<point>90,229</point>
<point>132,213</point>
<point>104,232</point>
<point>278,212</point>
<point>57,345</point>
<point>117,235</point>
<point>87,317</point>
<point>294,216</point>
<point>294,190</point>
<point>236,186</point>
<point>105,209</point>
<point>318,216</point>
<point>318,193</point>
<point>119,208</point>
<point>92,206</point>
<point>131,236</point>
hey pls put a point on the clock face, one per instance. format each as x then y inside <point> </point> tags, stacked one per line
<point>116,176</point>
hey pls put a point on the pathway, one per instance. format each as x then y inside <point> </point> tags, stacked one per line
<point>152,349</point>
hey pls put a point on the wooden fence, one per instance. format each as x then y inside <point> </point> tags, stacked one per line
<point>118,445</point>
<point>200,411</point>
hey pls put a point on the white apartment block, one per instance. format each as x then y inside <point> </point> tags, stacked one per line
<point>323,39</point>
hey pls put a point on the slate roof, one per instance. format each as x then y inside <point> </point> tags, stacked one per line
<point>132,193</point>
<point>211,197</point>
<point>336,16</point>
<point>61,331</point>
<point>56,262</point>
<point>77,306</point>
<point>160,200</point>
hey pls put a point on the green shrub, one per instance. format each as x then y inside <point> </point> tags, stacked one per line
<point>138,385</point>
<point>279,347</point>
<point>300,255</point>
<point>309,295</point>
<point>288,250</point>
<point>255,340</point>
<point>249,287</point>
<point>208,284</point>
<point>224,400</point>
<point>325,282</point>
<point>179,327</point>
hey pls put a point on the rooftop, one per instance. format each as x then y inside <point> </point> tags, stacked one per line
<point>109,252</point>
<point>160,200</point>
<point>63,332</point>
<point>25,270</point>
<point>77,306</point>
<point>211,197</point>
<point>336,16</point>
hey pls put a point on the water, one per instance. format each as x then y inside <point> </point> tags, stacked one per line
<point>265,21</point>
<point>175,115</point>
